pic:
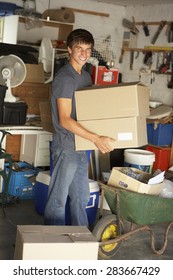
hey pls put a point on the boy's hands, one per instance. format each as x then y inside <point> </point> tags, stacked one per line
<point>103,143</point>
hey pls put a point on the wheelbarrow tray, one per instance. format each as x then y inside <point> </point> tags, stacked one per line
<point>138,208</point>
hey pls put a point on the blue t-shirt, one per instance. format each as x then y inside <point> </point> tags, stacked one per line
<point>65,83</point>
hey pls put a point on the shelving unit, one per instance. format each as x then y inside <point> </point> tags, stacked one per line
<point>27,31</point>
<point>53,30</point>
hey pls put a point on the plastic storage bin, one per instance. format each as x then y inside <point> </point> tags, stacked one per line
<point>20,185</point>
<point>14,113</point>
<point>162,157</point>
<point>2,96</point>
<point>92,206</point>
<point>7,9</point>
<point>41,191</point>
<point>140,159</point>
<point>160,134</point>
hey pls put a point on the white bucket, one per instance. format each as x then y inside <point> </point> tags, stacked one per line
<point>140,159</point>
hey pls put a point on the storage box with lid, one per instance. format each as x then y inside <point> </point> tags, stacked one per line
<point>20,185</point>
<point>14,113</point>
<point>160,134</point>
<point>37,242</point>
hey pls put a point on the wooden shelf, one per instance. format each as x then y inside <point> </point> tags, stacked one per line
<point>156,49</point>
<point>151,22</point>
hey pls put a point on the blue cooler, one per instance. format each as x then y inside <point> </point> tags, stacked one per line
<point>92,206</point>
<point>41,191</point>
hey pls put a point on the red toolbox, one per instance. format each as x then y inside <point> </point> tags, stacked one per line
<point>103,76</point>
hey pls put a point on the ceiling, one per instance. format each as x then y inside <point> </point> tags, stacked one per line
<point>135,2</point>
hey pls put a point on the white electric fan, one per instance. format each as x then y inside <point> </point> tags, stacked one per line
<point>12,74</point>
<point>47,57</point>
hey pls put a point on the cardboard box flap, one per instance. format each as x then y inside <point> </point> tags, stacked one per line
<point>52,229</point>
<point>59,234</point>
<point>36,237</point>
<point>113,86</point>
<point>39,242</point>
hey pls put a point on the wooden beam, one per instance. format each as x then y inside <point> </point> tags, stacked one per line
<point>150,22</point>
<point>87,12</point>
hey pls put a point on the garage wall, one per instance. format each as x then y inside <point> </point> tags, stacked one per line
<point>102,26</point>
<point>159,89</point>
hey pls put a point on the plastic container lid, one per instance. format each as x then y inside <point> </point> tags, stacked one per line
<point>137,156</point>
<point>43,177</point>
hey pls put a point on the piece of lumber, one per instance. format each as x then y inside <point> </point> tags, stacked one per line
<point>87,12</point>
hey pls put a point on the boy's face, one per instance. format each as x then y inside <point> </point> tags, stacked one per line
<point>79,54</point>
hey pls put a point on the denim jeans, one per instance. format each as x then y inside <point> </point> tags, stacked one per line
<point>69,179</point>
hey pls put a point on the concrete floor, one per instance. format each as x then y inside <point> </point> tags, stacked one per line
<point>23,212</point>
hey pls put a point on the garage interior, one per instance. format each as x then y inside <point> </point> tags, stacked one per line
<point>133,55</point>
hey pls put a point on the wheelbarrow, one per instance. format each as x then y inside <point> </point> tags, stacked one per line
<point>140,210</point>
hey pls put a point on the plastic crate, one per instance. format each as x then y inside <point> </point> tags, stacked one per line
<point>20,185</point>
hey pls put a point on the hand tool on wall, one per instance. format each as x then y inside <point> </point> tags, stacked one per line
<point>170,34</point>
<point>131,59</point>
<point>161,25</point>
<point>125,44</point>
<point>148,58</point>
<point>164,67</point>
<point>130,25</point>
<point>170,83</point>
<point>145,28</point>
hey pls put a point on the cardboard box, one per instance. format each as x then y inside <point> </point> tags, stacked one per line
<point>121,180</point>
<point>107,102</point>
<point>36,242</point>
<point>46,115</point>
<point>128,132</point>
<point>35,73</point>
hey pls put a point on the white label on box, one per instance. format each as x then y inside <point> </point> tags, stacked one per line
<point>107,77</point>
<point>125,136</point>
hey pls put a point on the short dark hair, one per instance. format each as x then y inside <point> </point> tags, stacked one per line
<point>80,36</point>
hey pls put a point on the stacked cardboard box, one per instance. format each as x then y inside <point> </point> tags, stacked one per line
<point>118,111</point>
